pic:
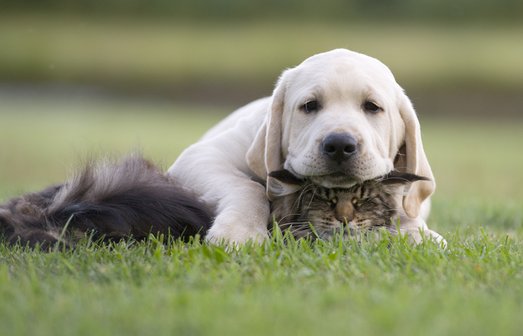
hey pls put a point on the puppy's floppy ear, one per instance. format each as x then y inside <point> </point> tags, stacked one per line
<point>414,160</point>
<point>265,154</point>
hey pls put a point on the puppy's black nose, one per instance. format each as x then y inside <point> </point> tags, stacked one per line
<point>339,146</point>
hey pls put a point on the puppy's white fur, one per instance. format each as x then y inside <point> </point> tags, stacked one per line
<point>228,168</point>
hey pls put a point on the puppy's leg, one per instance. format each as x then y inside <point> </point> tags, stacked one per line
<point>239,203</point>
<point>241,209</point>
<point>417,230</point>
<point>425,209</point>
<point>242,214</point>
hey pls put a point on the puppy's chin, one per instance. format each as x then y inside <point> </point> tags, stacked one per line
<point>327,180</point>
<point>344,175</point>
<point>336,180</point>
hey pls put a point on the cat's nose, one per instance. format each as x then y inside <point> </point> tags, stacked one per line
<point>344,211</point>
<point>339,147</point>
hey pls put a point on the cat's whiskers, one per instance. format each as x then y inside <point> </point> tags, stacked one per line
<point>282,219</point>
<point>293,225</point>
<point>306,188</point>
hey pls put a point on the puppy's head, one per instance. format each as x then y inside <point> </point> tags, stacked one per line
<point>340,118</point>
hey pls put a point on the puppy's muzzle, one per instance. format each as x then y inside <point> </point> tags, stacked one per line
<point>339,147</point>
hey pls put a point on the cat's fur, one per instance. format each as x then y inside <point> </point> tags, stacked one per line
<point>311,211</point>
<point>110,201</point>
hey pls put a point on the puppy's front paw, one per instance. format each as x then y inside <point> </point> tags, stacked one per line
<point>420,235</point>
<point>233,230</point>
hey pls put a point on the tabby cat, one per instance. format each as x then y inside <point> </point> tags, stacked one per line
<point>312,211</point>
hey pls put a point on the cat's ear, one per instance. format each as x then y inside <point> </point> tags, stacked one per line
<point>283,183</point>
<point>400,178</point>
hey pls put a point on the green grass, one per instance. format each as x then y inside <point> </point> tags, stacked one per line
<point>474,287</point>
<point>326,288</point>
<point>128,52</point>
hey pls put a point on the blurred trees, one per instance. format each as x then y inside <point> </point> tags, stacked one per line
<point>173,47</point>
<point>339,10</point>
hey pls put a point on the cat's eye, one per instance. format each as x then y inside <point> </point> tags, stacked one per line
<point>371,107</point>
<point>333,202</point>
<point>354,201</point>
<point>311,106</point>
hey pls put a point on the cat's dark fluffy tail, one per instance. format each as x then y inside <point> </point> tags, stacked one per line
<point>110,201</point>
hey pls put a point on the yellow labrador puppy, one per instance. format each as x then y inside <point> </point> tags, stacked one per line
<point>338,118</point>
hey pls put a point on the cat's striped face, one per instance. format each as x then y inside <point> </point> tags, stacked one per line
<point>319,212</point>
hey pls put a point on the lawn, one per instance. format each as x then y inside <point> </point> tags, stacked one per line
<point>371,288</point>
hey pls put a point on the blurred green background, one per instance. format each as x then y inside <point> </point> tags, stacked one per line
<point>86,78</point>
<point>89,78</point>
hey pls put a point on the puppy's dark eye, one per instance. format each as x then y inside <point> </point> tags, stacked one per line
<point>311,106</point>
<point>371,107</point>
